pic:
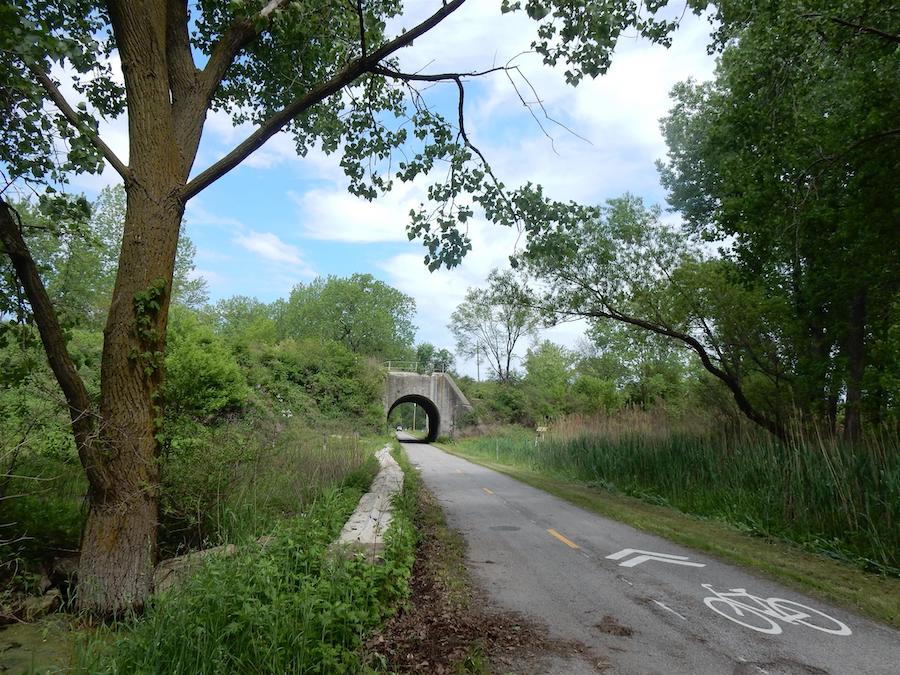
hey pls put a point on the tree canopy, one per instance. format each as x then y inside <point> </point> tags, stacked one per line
<point>788,161</point>
<point>628,267</point>
<point>429,357</point>
<point>492,321</point>
<point>361,312</point>
<point>791,155</point>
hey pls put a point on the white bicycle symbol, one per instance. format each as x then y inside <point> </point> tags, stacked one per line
<point>760,613</point>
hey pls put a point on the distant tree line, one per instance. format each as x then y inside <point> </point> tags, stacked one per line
<point>783,284</point>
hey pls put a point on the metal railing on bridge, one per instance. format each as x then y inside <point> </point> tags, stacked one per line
<point>413,367</point>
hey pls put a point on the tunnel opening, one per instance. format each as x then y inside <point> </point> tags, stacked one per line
<point>396,414</point>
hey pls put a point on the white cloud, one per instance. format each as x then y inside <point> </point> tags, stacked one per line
<point>618,113</point>
<point>333,214</point>
<point>221,135</point>
<point>438,293</point>
<point>212,278</point>
<point>458,42</point>
<point>271,247</point>
<point>196,214</point>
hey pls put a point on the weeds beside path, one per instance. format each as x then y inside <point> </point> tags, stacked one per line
<point>875,595</point>
<point>291,606</point>
<point>447,626</point>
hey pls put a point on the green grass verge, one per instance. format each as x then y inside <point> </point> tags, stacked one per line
<point>874,595</point>
<point>290,607</point>
<point>829,497</point>
<point>446,563</point>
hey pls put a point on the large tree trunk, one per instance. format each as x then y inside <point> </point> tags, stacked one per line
<point>855,350</point>
<point>167,99</point>
<point>119,543</point>
<point>119,547</point>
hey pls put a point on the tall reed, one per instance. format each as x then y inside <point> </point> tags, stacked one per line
<point>815,490</point>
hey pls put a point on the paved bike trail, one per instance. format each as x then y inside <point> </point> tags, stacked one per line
<point>549,560</point>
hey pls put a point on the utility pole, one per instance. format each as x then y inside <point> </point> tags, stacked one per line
<point>478,362</point>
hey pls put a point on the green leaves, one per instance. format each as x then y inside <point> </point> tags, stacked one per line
<point>790,156</point>
<point>584,34</point>
<point>202,377</point>
<point>491,321</point>
<point>364,314</point>
<point>292,606</point>
<point>33,135</point>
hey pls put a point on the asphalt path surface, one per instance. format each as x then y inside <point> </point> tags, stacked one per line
<point>639,603</point>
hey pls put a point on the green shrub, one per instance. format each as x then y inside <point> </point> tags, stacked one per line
<point>202,376</point>
<point>321,379</point>
<point>236,480</point>
<point>291,607</point>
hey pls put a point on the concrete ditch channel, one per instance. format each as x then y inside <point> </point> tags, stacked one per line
<point>365,530</point>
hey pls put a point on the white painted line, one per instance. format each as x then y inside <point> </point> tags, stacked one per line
<point>650,555</point>
<point>670,610</point>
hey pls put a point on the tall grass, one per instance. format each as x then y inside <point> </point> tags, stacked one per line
<point>815,490</point>
<point>231,482</point>
<point>237,480</point>
<point>291,607</point>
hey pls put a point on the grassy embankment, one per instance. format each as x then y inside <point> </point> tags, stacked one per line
<point>818,515</point>
<point>290,606</point>
<point>287,607</point>
<point>232,487</point>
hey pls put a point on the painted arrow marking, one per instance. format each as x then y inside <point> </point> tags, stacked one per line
<point>644,556</point>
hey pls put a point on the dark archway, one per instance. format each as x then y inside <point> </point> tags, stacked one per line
<point>431,412</point>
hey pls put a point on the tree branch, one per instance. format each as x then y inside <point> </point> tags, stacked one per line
<point>728,379</point>
<point>52,337</point>
<point>362,27</point>
<point>182,71</point>
<point>188,101</point>
<point>603,309</point>
<point>315,95</point>
<point>457,78</point>
<point>860,28</point>
<point>72,117</point>
<point>223,53</point>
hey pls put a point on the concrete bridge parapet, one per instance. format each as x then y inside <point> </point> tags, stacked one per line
<point>437,394</point>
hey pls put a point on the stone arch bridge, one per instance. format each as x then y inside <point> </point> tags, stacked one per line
<point>437,394</point>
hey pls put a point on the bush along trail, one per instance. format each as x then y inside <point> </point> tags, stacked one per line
<point>293,604</point>
<point>289,601</point>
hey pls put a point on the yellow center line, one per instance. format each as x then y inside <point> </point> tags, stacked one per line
<point>487,491</point>
<point>568,542</point>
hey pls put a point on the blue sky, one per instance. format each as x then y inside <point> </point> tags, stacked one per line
<point>279,219</point>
